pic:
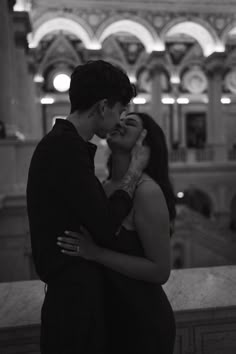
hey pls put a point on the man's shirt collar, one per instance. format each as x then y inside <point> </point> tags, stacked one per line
<point>92,148</point>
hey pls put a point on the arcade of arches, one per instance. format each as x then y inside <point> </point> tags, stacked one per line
<point>181,55</point>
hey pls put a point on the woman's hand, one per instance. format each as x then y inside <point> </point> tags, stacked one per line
<point>140,153</point>
<point>78,244</point>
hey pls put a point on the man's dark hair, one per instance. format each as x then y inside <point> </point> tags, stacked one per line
<point>96,80</point>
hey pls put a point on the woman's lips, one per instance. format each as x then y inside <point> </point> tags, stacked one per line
<point>116,131</point>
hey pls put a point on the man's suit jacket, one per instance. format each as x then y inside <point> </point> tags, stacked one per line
<point>63,193</point>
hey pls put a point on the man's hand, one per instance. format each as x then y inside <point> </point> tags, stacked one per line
<point>78,244</point>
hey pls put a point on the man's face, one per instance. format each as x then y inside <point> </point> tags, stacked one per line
<point>110,118</point>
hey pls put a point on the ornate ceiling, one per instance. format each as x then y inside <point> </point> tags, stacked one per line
<point>65,32</point>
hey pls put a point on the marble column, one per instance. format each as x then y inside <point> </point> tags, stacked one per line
<point>176,138</point>
<point>214,65</point>
<point>21,29</point>
<point>7,97</point>
<point>35,107</point>
<point>28,120</point>
<point>156,67</point>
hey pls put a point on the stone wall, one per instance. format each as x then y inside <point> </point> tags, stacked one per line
<point>204,302</point>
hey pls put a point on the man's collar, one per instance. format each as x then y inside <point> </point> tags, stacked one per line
<point>66,123</point>
<point>92,148</point>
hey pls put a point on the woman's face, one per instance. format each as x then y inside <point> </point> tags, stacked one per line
<point>126,133</point>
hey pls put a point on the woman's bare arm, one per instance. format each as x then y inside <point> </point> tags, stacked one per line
<point>152,224</point>
<point>151,218</point>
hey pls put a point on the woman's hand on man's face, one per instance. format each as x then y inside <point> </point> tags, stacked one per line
<point>140,153</point>
<point>78,244</point>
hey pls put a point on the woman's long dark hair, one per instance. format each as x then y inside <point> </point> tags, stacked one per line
<point>157,167</point>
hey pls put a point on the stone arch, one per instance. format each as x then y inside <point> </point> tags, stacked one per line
<point>199,30</point>
<point>143,32</point>
<point>63,24</point>
<point>198,200</point>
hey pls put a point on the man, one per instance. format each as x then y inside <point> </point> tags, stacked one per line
<point>63,193</point>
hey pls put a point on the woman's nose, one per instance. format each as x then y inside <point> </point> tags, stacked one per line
<point>122,123</point>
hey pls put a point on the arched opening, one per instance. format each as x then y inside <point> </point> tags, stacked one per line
<point>197,200</point>
<point>208,42</point>
<point>63,24</point>
<point>133,28</point>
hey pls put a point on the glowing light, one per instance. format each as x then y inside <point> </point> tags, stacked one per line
<point>182,100</point>
<point>168,100</point>
<point>47,100</point>
<point>94,45</point>
<point>61,82</point>
<point>219,47</point>
<point>225,100</point>
<point>38,78</point>
<point>132,79</point>
<point>21,5</point>
<point>180,195</point>
<point>175,79</point>
<point>139,100</point>
<point>157,47</point>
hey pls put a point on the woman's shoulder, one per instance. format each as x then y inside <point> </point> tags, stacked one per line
<point>148,191</point>
<point>146,183</point>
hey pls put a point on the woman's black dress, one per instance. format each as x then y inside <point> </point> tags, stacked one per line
<point>139,316</point>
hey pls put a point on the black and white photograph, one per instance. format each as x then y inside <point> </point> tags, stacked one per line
<point>117,177</point>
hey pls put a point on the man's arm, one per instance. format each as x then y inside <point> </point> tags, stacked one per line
<point>151,219</point>
<point>139,159</point>
<point>85,194</point>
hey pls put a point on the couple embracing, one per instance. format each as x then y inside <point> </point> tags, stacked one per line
<point>102,250</point>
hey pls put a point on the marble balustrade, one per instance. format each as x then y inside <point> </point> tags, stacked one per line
<point>203,299</point>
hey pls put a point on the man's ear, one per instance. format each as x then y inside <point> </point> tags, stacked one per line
<point>102,106</point>
<point>97,110</point>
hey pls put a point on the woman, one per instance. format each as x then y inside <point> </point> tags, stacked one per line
<point>139,316</point>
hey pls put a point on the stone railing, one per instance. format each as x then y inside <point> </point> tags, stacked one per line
<point>179,155</point>
<point>203,299</point>
<point>204,155</point>
<point>217,154</point>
